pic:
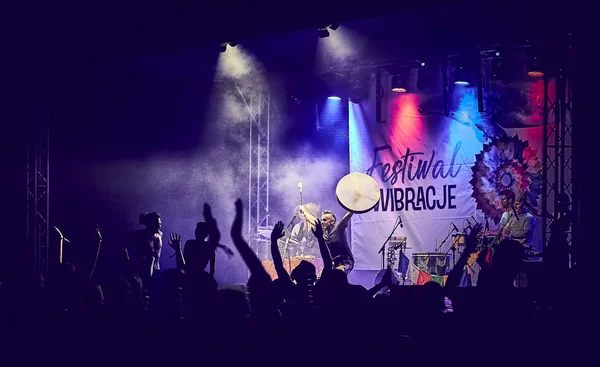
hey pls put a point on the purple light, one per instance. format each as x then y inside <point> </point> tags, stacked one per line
<point>334,98</point>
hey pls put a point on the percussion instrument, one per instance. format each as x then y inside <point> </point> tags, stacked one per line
<point>399,241</point>
<point>357,192</point>
<point>458,239</point>
<point>290,247</point>
<point>432,263</point>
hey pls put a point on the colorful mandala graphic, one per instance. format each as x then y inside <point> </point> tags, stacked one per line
<point>505,164</point>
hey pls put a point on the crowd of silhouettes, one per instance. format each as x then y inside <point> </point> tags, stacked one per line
<point>127,289</point>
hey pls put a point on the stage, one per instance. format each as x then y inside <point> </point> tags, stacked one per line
<point>442,133</point>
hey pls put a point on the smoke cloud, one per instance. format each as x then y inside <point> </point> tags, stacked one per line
<point>343,47</point>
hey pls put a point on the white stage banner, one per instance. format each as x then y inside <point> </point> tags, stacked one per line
<point>434,173</point>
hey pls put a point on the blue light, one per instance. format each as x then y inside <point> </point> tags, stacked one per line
<point>458,82</point>
<point>334,98</point>
<point>422,64</point>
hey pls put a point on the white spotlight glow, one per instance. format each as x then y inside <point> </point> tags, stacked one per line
<point>343,46</point>
<point>234,63</point>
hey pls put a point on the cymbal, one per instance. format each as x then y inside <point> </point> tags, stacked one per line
<point>357,192</point>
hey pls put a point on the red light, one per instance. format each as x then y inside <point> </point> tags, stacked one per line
<point>535,74</point>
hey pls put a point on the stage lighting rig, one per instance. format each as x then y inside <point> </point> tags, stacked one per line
<point>223,46</point>
<point>324,32</point>
<point>502,66</point>
<point>399,80</point>
<point>358,90</point>
<point>534,67</point>
<point>462,75</point>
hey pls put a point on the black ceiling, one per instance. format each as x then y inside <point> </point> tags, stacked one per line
<point>83,30</point>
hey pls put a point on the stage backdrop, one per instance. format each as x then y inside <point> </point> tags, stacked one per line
<point>436,170</point>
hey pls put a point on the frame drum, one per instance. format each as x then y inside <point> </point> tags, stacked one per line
<point>357,192</point>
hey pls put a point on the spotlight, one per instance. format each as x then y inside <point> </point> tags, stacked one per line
<point>398,84</point>
<point>333,86</point>
<point>223,46</point>
<point>461,76</point>
<point>534,68</point>
<point>399,79</point>
<point>422,64</point>
<point>324,32</point>
<point>357,92</point>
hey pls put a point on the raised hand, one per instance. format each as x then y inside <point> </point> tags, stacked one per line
<point>277,232</point>
<point>471,240</point>
<point>318,231</point>
<point>60,235</point>
<point>236,227</point>
<point>175,241</point>
<point>98,235</point>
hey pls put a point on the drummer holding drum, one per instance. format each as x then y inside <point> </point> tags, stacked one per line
<point>357,193</point>
<point>334,233</point>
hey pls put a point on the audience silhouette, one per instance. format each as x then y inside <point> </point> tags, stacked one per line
<point>296,306</point>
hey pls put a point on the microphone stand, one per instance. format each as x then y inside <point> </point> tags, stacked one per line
<point>453,249</point>
<point>382,249</point>
<point>444,241</point>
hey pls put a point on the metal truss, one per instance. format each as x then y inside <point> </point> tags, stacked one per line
<point>258,105</point>
<point>37,204</point>
<point>557,145</point>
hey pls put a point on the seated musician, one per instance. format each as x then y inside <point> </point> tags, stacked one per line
<point>521,226</point>
<point>302,240</point>
<point>507,201</point>
<point>517,224</point>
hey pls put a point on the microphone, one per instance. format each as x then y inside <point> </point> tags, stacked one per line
<point>476,222</point>
<point>469,222</point>
<point>487,224</point>
<point>455,228</point>
<point>300,186</point>
<point>292,221</point>
<point>400,219</point>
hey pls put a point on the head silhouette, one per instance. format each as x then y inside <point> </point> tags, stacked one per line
<point>508,198</point>
<point>304,274</point>
<point>201,231</point>
<point>152,221</point>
